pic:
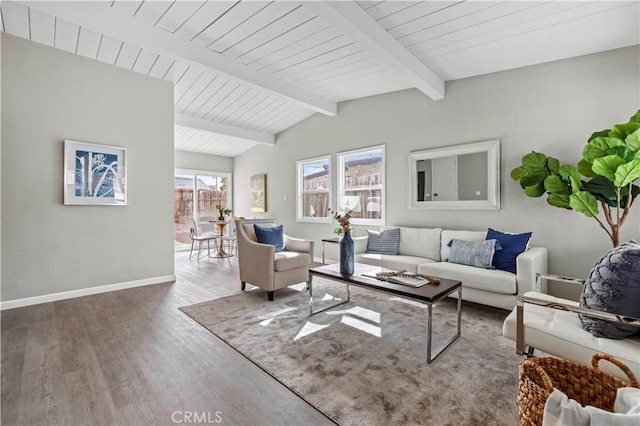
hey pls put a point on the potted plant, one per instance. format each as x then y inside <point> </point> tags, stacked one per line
<point>223,211</point>
<point>603,177</point>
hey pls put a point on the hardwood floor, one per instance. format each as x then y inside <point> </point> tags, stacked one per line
<point>131,357</point>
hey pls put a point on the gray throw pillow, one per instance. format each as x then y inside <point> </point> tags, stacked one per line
<point>613,286</point>
<point>384,242</point>
<point>473,253</point>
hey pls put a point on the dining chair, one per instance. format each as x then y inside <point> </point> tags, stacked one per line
<point>207,225</point>
<point>193,234</point>
<point>231,238</point>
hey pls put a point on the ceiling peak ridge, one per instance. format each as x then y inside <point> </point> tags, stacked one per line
<point>357,24</point>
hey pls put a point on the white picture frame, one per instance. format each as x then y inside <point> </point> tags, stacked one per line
<point>94,174</point>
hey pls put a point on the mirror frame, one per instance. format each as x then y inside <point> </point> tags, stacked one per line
<point>491,147</point>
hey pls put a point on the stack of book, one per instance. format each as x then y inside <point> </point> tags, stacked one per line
<point>405,278</point>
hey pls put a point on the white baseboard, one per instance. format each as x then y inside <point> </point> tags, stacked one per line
<point>53,297</point>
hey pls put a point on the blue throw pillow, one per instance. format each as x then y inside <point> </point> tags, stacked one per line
<point>473,253</point>
<point>613,286</point>
<point>512,245</point>
<point>384,242</point>
<point>270,235</point>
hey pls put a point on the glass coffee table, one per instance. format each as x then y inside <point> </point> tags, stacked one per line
<point>427,294</point>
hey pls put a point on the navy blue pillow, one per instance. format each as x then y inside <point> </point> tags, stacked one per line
<point>512,245</point>
<point>270,235</point>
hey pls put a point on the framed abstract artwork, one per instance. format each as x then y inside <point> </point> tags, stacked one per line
<point>94,174</point>
<point>259,193</point>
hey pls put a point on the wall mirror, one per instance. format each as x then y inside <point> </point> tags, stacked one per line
<point>460,177</point>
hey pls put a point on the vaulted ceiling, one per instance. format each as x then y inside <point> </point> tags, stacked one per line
<point>244,71</point>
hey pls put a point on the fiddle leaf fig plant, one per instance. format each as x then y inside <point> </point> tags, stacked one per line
<point>602,178</point>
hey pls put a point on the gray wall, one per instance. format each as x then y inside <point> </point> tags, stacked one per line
<point>47,96</point>
<point>261,159</point>
<point>203,162</point>
<point>551,108</point>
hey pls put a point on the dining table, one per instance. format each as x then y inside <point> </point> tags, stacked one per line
<point>220,252</point>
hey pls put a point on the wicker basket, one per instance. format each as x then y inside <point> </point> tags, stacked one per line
<point>587,385</point>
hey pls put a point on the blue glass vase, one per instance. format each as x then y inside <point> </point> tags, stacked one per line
<point>346,254</point>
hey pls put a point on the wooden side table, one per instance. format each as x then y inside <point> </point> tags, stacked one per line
<point>333,240</point>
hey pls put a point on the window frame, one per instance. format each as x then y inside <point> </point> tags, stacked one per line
<point>193,174</point>
<point>340,186</point>
<point>301,192</point>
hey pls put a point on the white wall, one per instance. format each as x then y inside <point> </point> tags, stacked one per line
<point>197,161</point>
<point>551,108</point>
<point>47,96</point>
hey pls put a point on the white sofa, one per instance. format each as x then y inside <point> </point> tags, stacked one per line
<point>425,251</point>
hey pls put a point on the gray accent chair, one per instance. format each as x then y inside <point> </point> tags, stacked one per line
<point>260,265</point>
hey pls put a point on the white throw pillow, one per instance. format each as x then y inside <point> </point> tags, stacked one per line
<point>420,242</point>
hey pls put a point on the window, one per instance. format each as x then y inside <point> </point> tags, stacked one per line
<point>314,189</point>
<point>361,185</point>
<point>196,194</point>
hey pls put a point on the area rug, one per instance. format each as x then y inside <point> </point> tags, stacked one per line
<point>364,363</point>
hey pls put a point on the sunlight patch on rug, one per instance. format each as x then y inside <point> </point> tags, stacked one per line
<point>309,328</point>
<point>361,325</point>
<point>328,297</point>
<point>358,311</point>
<point>268,318</point>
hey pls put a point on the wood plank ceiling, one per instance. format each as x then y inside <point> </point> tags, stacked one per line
<point>244,71</point>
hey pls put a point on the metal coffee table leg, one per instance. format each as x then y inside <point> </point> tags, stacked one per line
<point>430,325</point>
<point>312,312</point>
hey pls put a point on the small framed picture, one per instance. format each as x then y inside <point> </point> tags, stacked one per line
<point>94,174</point>
<point>259,193</point>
